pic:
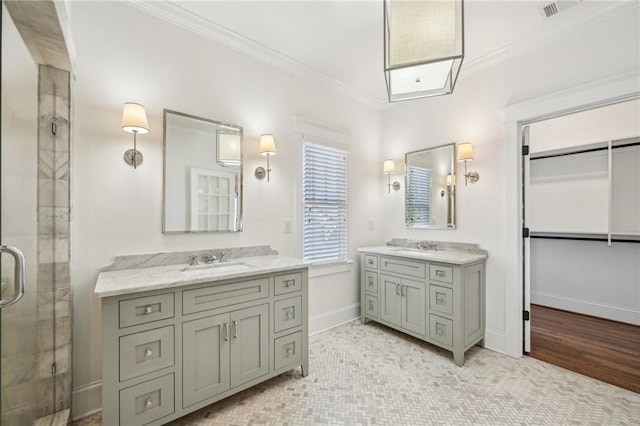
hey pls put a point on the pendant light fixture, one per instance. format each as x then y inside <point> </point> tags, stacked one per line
<point>423,47</point>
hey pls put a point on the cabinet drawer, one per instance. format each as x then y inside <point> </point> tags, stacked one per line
<point>215,296</point>
<point>144,352</point>
<point>288,350</point>
<point>371,282</point>
<point>370,262</point>
<point>148,401</point>
<point>405,267</point>
<point>441,273</point>
<point>441,329</point>
<point>287,283</point>
<point>441,299</point>
<point>371,306</point>
<point>145,309</point>
<point>287,313</point>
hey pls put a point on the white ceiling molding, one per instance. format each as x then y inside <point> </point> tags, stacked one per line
<point>597,14</point>
<point>172,12</point>
<point>175,14</point>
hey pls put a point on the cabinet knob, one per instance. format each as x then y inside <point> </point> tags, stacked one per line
<point>440,273</point>
<point>370,261</point>
<point>148,403</point>
<point>289,351</point>
<point>148,352</point>
<point>148,309</point>
<point>289,283</point>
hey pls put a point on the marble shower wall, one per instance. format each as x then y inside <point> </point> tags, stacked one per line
<point>54,290</point>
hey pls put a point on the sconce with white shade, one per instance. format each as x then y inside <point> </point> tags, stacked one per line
<point>423,47</point>
<point>134,120</point>
<point>267,148</point>
<point>465,153</point>
<point>389,168</point>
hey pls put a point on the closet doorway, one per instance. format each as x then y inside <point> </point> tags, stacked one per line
<point>581,193</point>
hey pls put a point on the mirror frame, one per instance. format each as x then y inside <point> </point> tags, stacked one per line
<point>215,159</point>
<point>452,202</point>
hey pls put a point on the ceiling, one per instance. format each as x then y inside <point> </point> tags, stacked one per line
<point>339,43</point>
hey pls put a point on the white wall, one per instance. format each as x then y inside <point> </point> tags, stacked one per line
<point>126,55</point>
<point>488,209</point>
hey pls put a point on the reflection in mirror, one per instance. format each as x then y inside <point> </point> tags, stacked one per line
<point>430,188</point>
<point>202,175</point>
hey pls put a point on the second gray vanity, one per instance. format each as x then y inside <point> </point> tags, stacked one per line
<point>179,337</point>
<point>432,291</point>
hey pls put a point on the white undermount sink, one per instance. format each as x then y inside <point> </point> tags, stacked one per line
<point>222,267</point>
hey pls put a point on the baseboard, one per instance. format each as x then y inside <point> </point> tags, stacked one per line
<point>87,400</point>
<point>586,307</point>
<point>495,340</point>
<point>327,320</point>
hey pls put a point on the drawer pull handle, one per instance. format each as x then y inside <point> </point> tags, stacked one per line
<point>226,331</point>
<point>148,310</point>
<point>148,403</point>
<point>290,283</point>
<point>370,261</point>
<point>402,292</point>
<point>440,273</point>
<point>235,329</point>
<point>147,353</point>
<point>397,289</point>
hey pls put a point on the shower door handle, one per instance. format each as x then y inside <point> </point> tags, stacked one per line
<point>19,275</point>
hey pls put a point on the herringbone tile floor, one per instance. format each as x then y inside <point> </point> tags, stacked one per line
<point>369,374</point>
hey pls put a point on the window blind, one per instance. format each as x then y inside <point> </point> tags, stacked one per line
<point>418,200</point>
<point>324,194</point>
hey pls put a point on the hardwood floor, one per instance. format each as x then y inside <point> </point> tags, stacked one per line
<point>599,348</point>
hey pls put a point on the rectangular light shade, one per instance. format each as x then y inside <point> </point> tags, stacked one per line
<point>465,152</point>
<point>423,47</point>
<point>229,148</point>
<point>389,167</point>
<point>134,118</point>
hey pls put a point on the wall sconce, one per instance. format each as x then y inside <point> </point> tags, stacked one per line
<point>134,120</point>
<point>451,185</point>
<point>388,168</point>
<point>267,148</point>
<point>465,153</point>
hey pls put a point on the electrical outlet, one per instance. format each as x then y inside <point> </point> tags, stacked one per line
<point>288,226</point>
<point>371,227</point>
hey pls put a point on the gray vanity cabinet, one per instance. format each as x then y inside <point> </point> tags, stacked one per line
<point>169,352</point>
<point>438,302</point>
<point>223,351</point>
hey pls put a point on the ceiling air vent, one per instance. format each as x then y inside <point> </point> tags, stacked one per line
<point>550,9</point>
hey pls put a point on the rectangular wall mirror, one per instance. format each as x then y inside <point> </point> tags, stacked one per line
<point>430,188</point>
<point>202,175</point>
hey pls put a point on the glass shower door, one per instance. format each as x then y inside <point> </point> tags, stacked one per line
<point>27,390</point>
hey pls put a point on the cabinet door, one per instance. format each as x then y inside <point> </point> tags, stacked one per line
<point>205,358</point>
<point>414,306</point>
<point>249,344</point>
<point>390,303</point>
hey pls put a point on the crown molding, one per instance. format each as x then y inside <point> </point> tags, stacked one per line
<point>175,14</point>
<point>172,12</point>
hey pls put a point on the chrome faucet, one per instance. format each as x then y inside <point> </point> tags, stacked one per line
<point>427,246</point>
<point>221,257</point>
<point>194,260</point>
<point>210,258</point>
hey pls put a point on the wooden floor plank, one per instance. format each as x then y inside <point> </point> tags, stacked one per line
<point>602,349</point>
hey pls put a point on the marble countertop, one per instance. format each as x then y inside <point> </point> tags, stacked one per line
<point>115,283</point>
<point>455,257</point>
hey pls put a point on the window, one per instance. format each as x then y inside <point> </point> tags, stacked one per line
<point>324,198</point>
<point>418,196</point>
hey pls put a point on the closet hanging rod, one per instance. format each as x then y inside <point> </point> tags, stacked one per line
<point>636,142</point>
<point>602,238</point>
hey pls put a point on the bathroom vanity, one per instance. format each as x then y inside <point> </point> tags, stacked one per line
<point>176,338</point>
<point>435,295</point>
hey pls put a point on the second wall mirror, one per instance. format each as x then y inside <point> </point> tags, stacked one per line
<point>202,175</point>
<point>430,188</point>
